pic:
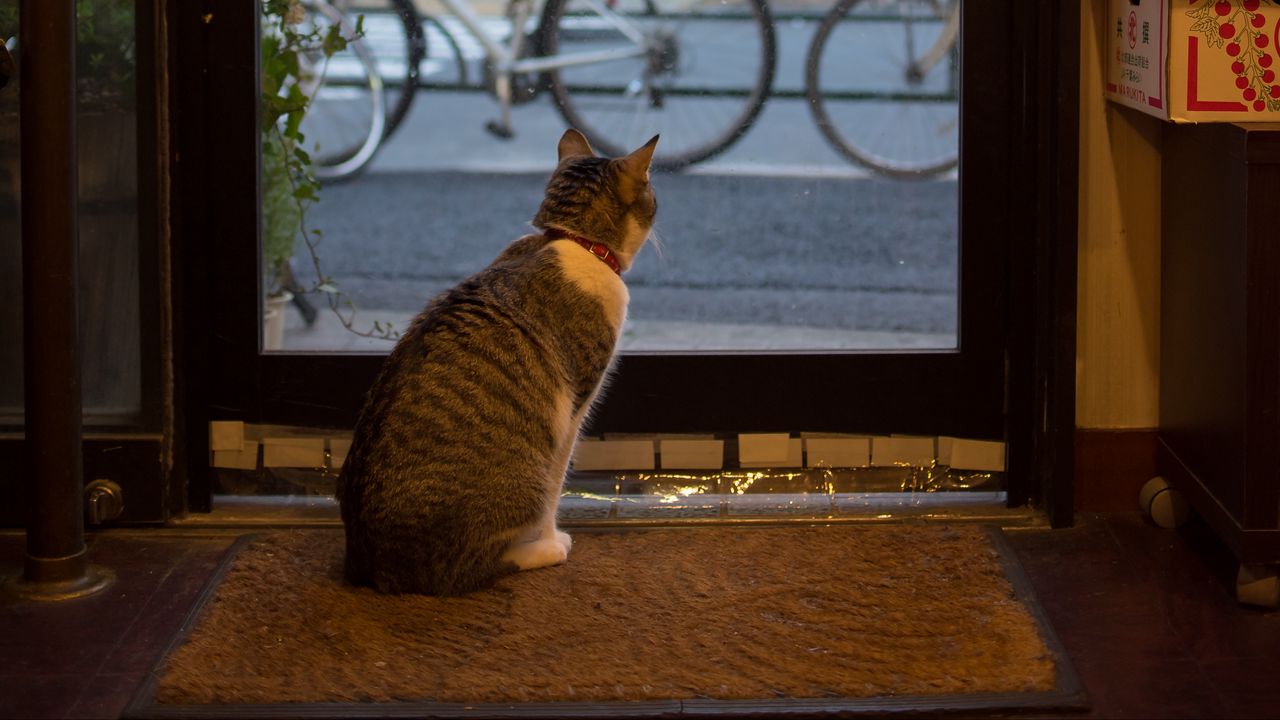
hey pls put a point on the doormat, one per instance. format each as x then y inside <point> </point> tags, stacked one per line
<point>721,620</point>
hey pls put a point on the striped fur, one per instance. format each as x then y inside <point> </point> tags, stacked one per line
<point>456,465</point>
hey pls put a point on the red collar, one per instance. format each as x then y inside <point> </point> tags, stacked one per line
<point>599,249</point>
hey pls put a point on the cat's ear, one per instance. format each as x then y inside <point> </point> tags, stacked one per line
<point>574,144</point>
<point>636,165</point>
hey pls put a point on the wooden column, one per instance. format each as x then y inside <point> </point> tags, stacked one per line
<point>56,564</point>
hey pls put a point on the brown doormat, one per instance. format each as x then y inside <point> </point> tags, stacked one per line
<point>656,622</point>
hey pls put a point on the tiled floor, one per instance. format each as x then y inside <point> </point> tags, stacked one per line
<point>1147,615</point>
<point>84,658</point>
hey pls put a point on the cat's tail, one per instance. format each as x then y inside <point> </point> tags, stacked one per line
<point>429,570</point>
<point>355,567</point>
<point>356,564</point>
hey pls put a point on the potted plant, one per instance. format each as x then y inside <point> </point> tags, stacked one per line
<point>282,215</point>
<point>288,182</point>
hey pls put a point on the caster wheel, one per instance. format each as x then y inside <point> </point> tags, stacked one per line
<point>1163,503</point>
<point>1258,585</point>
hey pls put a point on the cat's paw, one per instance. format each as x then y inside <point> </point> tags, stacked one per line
<point>563,538</point>
<point>537,554</point>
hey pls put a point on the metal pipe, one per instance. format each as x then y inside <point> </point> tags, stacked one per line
<point>55,551</point>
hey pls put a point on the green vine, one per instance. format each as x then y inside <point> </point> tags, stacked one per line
<point>289,183</point>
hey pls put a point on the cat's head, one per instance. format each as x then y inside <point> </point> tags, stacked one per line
<point>607,200</point>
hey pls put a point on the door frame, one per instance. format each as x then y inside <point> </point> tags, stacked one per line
<point>132,449</point>
<point>1017,307</point>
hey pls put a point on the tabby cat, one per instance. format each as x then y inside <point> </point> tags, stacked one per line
<point>454,474</point>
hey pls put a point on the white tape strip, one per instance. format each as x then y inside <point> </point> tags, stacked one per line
<point>981,455</point>
<point>692,454</point>
<point>613,455</point>
<point>769,450</point>
<point>244,458</point>
<point>837,452</point>
<point>226,435</point>
<point>900,450</point>
<point>292,452</point>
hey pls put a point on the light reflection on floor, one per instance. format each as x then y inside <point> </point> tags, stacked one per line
<point>650,504</point>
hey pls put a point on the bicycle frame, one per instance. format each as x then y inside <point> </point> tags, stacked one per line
<point>942,46</point>
<point>506,60</point>
<point>638,56</point>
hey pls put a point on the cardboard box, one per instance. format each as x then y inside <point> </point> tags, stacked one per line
<point>1196,60</point>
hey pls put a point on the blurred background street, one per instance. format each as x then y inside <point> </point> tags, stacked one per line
<point>778,243</point>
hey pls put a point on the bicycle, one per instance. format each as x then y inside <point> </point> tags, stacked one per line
<point>345,121</point>
<point>352,109</point>
<point>905,124</point>
<point>404,38</point>
<point>695,71</point>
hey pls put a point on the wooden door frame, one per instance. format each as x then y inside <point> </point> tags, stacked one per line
<point>1022,190</point>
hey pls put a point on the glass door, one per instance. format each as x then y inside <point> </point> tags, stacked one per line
<point>119,250</point>
<point>835,230</point>
<point>825,216</point>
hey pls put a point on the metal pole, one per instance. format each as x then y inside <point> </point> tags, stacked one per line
<point>56,564</point>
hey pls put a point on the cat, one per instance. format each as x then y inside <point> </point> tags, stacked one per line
<point>454,474</point>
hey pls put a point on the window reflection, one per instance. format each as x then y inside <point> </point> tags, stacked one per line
<point>108,217</point>
<point>810,197</point>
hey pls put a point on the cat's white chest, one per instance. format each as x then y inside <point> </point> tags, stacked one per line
<point>596,279</point>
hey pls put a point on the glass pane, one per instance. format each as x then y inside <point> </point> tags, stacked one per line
<point>110,332</point>
<point>807,188</point>
<point>807,201</point>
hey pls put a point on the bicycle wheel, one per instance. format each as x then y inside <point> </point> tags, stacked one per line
<point>882,80</point>
<point>393,31</point>
<point>701,72</point>
<point>344,122</point>
<point>446,65</point>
